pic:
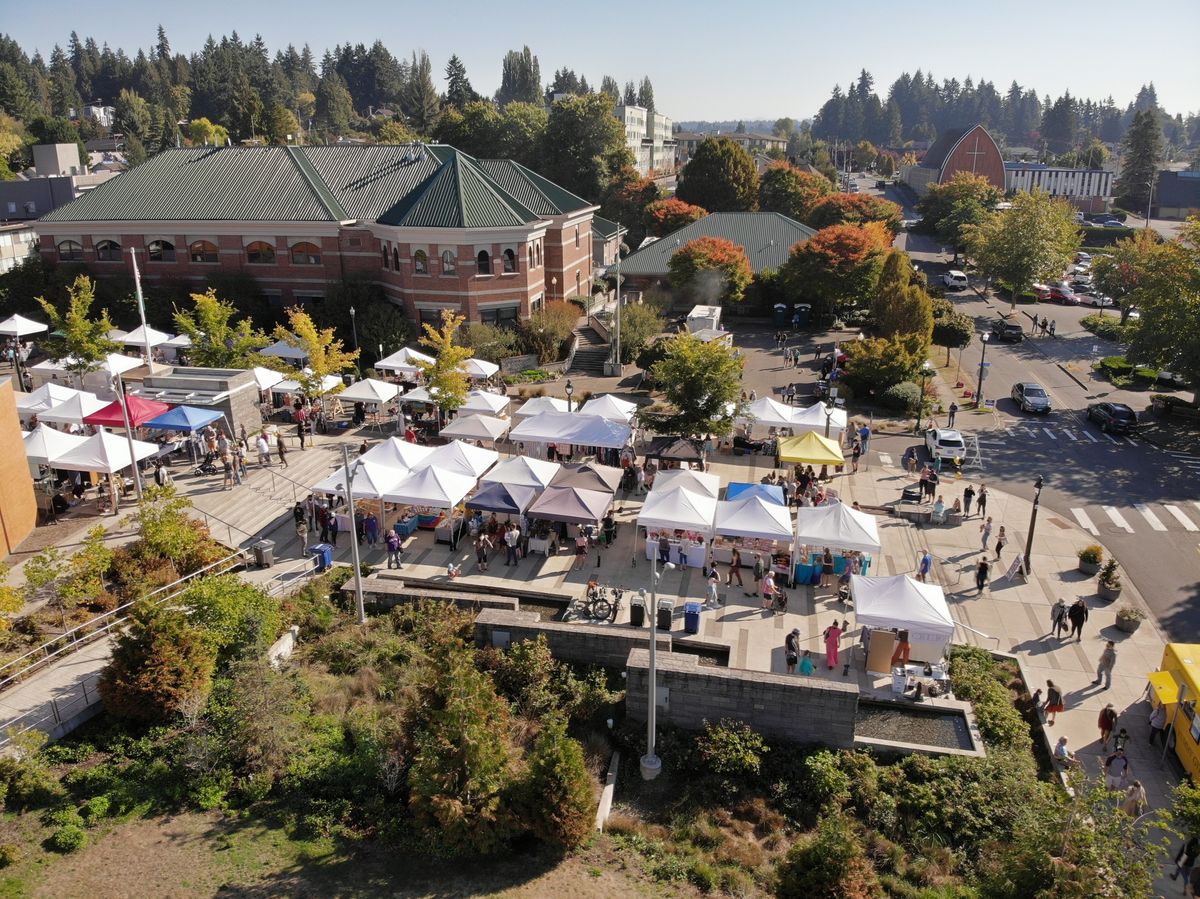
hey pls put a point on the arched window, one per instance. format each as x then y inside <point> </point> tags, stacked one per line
<point>160,251</point>
<point>577,285</point>
<point>385,258</point>
<point>449,262</point>
<point>510,261</point>
<point>539,254</point>
<point>396,259</point>
<point>483,262</point>
<point>306,254</point>
<point>421,262</point>
<point>108,251</point>
<point>203,251</point>
<point>531,255</point>
<point>260,253</point>
<point>70,251</point>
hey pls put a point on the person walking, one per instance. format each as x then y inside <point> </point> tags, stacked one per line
<point>735,568</point>
<point>1185,860</point>
<point>1001,542</point>
<point>1106,722</point>
<point>982,570</point>
<point>1058,617</point>
<point>512,537</point>
<point>1117,770</point>
<point>982,500</point>
<point>1104,670</point>
<point>664,549</point>
<point>952,412</point>
<point>581,549</point>
<point>791,650</point>
<point>833,642</point>
<point>855,453</point>
<point>227,467</point>
<point>483,544</point>
<point>711,598</point>
<point>985,532</point>
<point>759,570</point>
<point>333,528</point>
<point>924,565</point>
<point>1052,324</point>
<point>826,567</point>
<point>264,449</point>
<point>281,450</point>
<point>393,550</point>
<point>300,434</point>
<point>1078,614</point>
<point>1158,724</point>
<point>968,498</point>
<point>1054,702</point>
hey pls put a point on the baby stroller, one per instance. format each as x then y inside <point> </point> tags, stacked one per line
<point>208,466</point>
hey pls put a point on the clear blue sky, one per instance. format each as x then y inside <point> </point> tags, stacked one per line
<point>707,60</point>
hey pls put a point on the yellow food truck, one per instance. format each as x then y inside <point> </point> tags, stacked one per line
<point>1177,686</point>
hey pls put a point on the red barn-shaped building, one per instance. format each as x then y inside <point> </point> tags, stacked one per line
<point>957,150</point>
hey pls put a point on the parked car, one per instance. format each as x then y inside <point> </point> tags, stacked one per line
<point>1031,397</point>
<point>881,185</point>
<point>1063,295</point>
<point>1041,291</point>
<point>1113,418</point>
<point>1081,285</point>
<point>1008,332</point>
<point>1082,257</point>
<point>1133,316</point>
<point>956,280</point>
<point>1113,223</point>
<point>945,443</point>
<point>1096,300</point>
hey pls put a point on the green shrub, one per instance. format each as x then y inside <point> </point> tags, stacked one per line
<point>1115,365</point>
<point>96,808</point>
<point>977,679</point>
<point>704,876</point>
<point>10,854</point>
<point>830,864</point>
<point>729,756</point>
<point>1109,327</point>
<point>556,801</point>
<point>904,396</point>
<point>826,785</point>
<point>68,838</point>
<point>62,816</point>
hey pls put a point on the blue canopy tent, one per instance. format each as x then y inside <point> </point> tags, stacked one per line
<point>769,492</point>
<point>188,419</point>
<point>503,499</point>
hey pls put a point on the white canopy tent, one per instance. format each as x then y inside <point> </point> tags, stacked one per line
<point>422,395</point>
<point>524,471</point>
<point>20,326</point>
<point>678,508</point>
<point>74,410</point>
<point>540,404</point>
<point>433,487</point>
<point>903,603</point>
<point>45,397</point>
<point>371,390</point>
<point>328,383</point>
<point>398,453</point>
<point>179,341</point>
<point>105,453</point>
<point>766,411</point>
<point>44,444</point>
<point>281,349</point>
<point>572,427</point>
<point>140,336</point>
<point>113,364</point>
<point>610,407</point>
<point>479,368</point>
<point>459,458</point>
<point>483,402</point>
<point>266,378</point>
<point>837,525</point>
<point>753,517</point>
<point>476,427</point>
<point>371,479</point>
<point>404,361</point>
<point>812,418</point>
<point>695,481</point>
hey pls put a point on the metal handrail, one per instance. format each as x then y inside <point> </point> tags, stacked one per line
<point>973,630</point>
<point>84,634</point>
<point>229,528</point>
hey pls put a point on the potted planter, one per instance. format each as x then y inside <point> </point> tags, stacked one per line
<point>1090,558</point>
<point>1129,619</point>
<point>1109,586</point>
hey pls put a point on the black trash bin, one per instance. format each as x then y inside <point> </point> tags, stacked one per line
<point>264,553</point>
<point>666,611</point>
<point>691,617</point>
<point>637,612</point>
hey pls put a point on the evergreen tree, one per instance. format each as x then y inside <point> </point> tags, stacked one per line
<point>901,307</point>
<point>1060,125</point>
<point>645,95</point>
<point>63,94</point>
<point>162,49</point>
<point>720,177</point>
<point>610,88</point>
<point>15,99</point>
<point>135,151</point>
<point>458,87</point>
<point>1141,153</point>
<point>334,106</point>
<point>168,131</point>
<point>133,115</point>
<point>421,102</point>
<point>520,78</point>
<point>584,146</point>
<point>630,98</point>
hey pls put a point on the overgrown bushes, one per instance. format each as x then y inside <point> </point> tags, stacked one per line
<point>977,679</point>
<point>1109,327</point>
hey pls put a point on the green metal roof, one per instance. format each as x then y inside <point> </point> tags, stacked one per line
<point>605,229</point>
<point>767,238</point>
<point>368,179</point>
<point>531,189</point>
<point>458,195</point>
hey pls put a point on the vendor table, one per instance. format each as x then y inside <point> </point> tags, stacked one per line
<point>908,677</point>
<point>696,558</point>
<point>544,545</point>
<point>807,569</point>
<point>405,526</point>
<point>446,528</point>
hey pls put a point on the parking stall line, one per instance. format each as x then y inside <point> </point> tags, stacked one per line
<point>1109,437</point>
<point>1181,518</point>
<point>1050,434</point>
<point>1151,519</point>
<point>1070,434</point>
<point>1085,522</point>
<point>1131,441</point>
<point>1117,518</point>
<point>1089,437</point>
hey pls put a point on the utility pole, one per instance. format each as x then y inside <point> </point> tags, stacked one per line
<point>359,606</point>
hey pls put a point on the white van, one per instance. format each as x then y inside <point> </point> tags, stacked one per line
<point>956,280</point>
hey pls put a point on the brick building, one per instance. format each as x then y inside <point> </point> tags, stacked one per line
<point>437,229</point>
<point>957,150</point>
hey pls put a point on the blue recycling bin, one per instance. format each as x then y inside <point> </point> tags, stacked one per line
<point>322,554</point>
<point>691,617</point>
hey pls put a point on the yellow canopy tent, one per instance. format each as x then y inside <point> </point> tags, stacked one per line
<point>810,448</point>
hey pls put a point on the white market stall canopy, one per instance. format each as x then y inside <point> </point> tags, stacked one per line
<point>113,364</point>
<point>678,508</point>
<point>766,411</point>
<point>281,349</point>
<point>422,395</point>
<point>74,410</point>
<point>371,390</point>
<point>433,486</point>
<point>20,326</point>
<point>540,404</point>
<point>695,481</point>
<point>404,361</point>
<point>524,471</point>
<point>48,395</point>
<point>610,407</point>
<point>138,337</point>
<point>904,603</point>
<point>181,341</point>
<point>476,427</point>
<point>460,458</point>
<point>753,517</point>
<point>371,479</point>
<point>398,453</point>
<point>479,368</point>
<point>266,378</point>
<point>572,427</point>
<point>105,453</point>
<point>328,383</point>
<point>44,444</point>
<point>483,402</point>
<point>812,418</point>
<point>837,526</point>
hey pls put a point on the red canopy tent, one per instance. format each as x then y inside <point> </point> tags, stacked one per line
<point>140,411</point>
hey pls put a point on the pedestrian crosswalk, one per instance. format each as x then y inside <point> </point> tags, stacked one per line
<point>1178,516</point>
<point>1056,435</point>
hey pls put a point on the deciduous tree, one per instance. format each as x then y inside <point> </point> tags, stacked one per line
<point>324,351</point>
<point>217,341</point>
<point>951,328</point>
<point>837,267</point>
<point>939,202</point>
<point>584,145</point>
<point>78,337</point>
<point>639,325</point>
<point>720,177</point>
<point>202,132</point>
<point>710,270</point>
<point>546,330</point>
<point>853,209</point>
<point>901,306</point>
<point>443,375</point>
<point>625,201</point>
<point>702,382</point>
<point>787,190</point>
<point>394,131</point>
<point>664,216</point>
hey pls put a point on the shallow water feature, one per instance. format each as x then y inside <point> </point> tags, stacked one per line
<point>913,724</point>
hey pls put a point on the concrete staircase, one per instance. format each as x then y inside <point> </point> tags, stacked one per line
<point>591,353</point>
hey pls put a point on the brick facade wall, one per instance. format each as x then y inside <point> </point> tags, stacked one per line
<point>18,507</point>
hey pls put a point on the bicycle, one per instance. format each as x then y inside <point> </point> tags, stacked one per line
<point>601,603</point>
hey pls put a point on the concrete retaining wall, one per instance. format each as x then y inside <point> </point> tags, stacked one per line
<point>791,708</point>
<point>384,593</point>
<point>597,644</point>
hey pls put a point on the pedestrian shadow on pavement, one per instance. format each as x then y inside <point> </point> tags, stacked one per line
<point>1035,646</point>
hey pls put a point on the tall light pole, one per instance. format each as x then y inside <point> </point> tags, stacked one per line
<point>651,764</point>
<point>123,400</point>
<point>829,408</point>
<point>617,311</point>
<point>1037,498</point>
<point>353,328</point>
<point>359,607</point>
<point>983,342</point>
<point>926,371</point>
<point>141,304</point>
<point>570,390</point>
<point>1149,198</point>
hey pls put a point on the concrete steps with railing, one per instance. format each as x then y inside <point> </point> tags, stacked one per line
<point>591,352</point>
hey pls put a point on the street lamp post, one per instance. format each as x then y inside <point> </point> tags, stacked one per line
<point>1149,198</point>
<point>926,371</point>
<point>651,764</point>
<point>124,401</point>
<point>1037,498</point>
<point>570,388</point>
<point>359,607</point>
<point>983,342</point>
<point>553,287</point>
<point>353,328</point>
<point>830,407</point>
